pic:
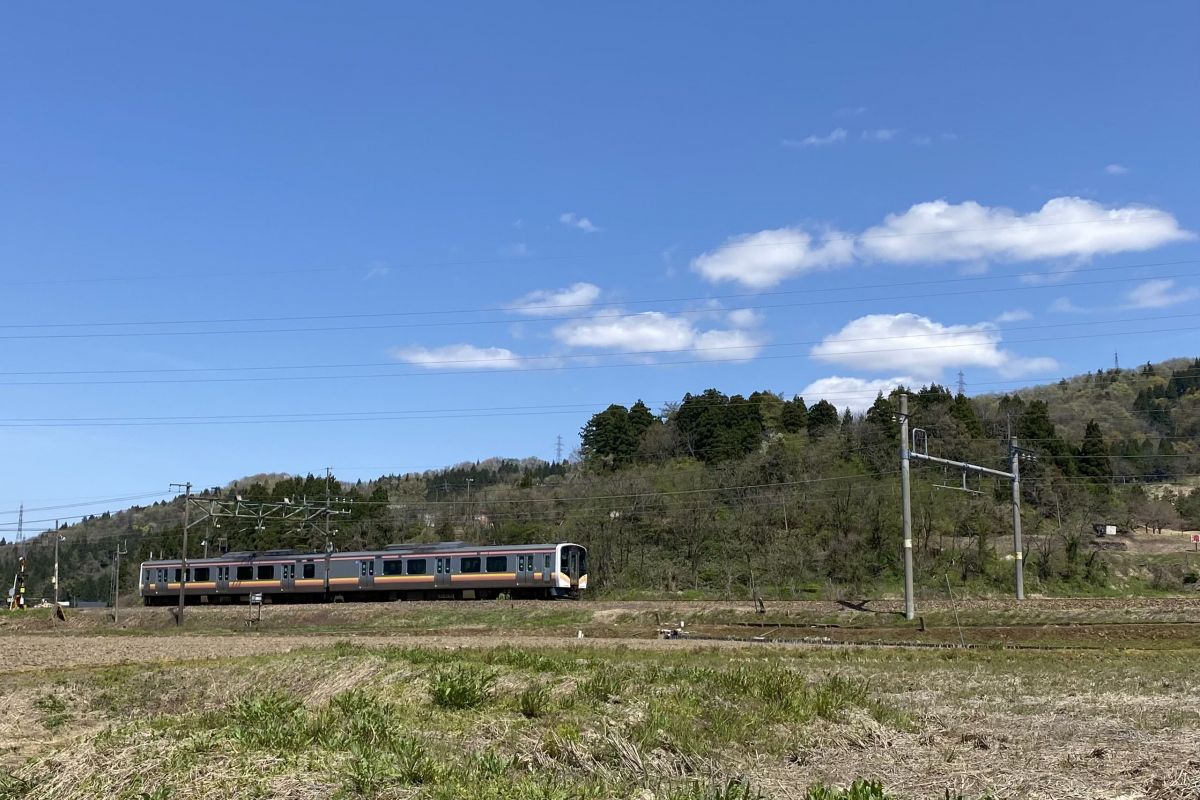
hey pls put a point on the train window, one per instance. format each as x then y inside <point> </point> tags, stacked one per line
<point>178,573</point>
<point>289,572</point>
<point>392,567</point>
<point>201,573</point>
<point>266,572</point>
<point>439,566</point>
<point>497,563</point>
<point>468,564</point>
<point>146,576</point>
<point>416,566</point>
<point>309,571</point>
<point>548,560</point>
<point>366,568</point>
<point>245,573</point>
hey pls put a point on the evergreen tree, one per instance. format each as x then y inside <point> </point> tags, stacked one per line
<point>641,418</point>
<point>822,417</point>
<point>794,417</point>
<point>609,436</point>
<point>1093,459</point>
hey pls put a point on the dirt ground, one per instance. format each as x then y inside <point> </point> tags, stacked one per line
<point>1104,714</point>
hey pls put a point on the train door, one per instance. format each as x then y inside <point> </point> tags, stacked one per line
<point>525,567</point>
<point>442,571</point>
<point>366,573</point>
<point>546,566</point>
<point>287,577</point>
<point>223,579</point>
<point>160,579</point>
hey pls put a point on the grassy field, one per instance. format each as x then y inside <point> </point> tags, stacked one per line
<point>431,708</point>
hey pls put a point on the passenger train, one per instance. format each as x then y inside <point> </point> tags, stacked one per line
<point>443,571</point>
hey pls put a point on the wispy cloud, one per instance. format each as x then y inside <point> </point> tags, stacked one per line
<point>458,356</point>
<point>376,269</point>
<point>1160,293</point>
<point>1116,169</point>
<point>514,250</point>
<point>813,140</point>
<point>1016,315</point>
<point>551,302</point>
<point>573,220</point>
<point>880,134</point>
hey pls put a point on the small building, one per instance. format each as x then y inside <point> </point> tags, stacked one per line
<point>1105,529</point>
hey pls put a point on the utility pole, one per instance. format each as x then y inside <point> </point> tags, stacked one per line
<point>328,477</point>
<point>58,537</point>
<point>906,503</point>
<point>121,550</point>
<point>187,498</point>
<point>1015,456</point>
<point>21,530</point>
<point>1018,553</point>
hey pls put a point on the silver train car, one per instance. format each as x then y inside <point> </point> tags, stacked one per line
<point>444,571</point>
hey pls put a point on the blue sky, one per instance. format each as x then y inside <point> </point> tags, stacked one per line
<point>748,189</point>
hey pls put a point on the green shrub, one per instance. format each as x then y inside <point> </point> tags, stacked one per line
<point>859,790</point>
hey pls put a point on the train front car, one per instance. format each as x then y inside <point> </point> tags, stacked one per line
<point>572,577</point>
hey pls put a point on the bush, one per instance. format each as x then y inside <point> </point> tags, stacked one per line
<point>459,687</point>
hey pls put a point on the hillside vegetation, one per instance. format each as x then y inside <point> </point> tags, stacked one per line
<point>726,495</point>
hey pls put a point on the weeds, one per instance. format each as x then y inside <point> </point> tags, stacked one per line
<point>534,700</point>
<point>859,790</point>
<point>461,687</point>
<point>54,711</point>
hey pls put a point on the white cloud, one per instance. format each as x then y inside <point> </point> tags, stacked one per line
<point>763,259</point>
<point>573,220</point>
<point>938,231</point>
<point>549,302</point>
<point>1065,227</point>
<point>880,134</point>
<point>919,346</point>
<point>857,394</point>
<point>1159,293</point>
<point>1116,169</point>
<point>458,356</point>
<point>835,135</point>
<point>744,318</point>
<point>655,330</point>
<point>1015,315</point>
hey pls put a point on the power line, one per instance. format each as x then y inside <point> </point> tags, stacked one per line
<point>587,257</point>
<point>978,329</point>
<point>561,367</point>
<point>590,317</point>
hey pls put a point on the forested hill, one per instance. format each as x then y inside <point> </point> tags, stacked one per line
<point>718,492</point>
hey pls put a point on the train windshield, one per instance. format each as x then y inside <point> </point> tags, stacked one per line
<point>574,561</point>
